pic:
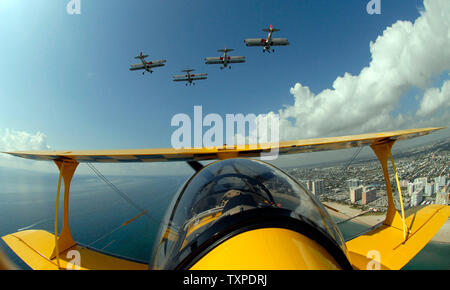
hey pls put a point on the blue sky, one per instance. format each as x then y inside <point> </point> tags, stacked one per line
<point>67,75</point>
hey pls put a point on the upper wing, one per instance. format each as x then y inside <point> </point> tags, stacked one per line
<point>279,41</point>
<point>255,42</point>
<point>199,76</point>
<point>156,63</point>
<point>236,59</point>
<point>255,150</point>
<point>213,60</point>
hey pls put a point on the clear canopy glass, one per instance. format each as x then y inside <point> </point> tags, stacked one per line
<point>228,187</point>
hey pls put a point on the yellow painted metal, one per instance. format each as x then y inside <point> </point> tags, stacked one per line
<point>385,246</point>
<point>399,194</point>
<point>61,172</point>
<point>382,151</point>
<point>251,150</point>
<point>5,263</point>
<point>267,249</point>
<point>35,248</point>
<point>65,239</point>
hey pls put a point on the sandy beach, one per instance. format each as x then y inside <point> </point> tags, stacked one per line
<point>345,212</point>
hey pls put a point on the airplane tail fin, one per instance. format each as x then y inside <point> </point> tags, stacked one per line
<point>270,29</point>
<point>141,56</point>
<point>225,50</point>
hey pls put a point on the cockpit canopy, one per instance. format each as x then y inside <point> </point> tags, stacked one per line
<point>226,188</point>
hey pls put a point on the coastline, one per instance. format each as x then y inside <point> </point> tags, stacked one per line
<point>345,212</point>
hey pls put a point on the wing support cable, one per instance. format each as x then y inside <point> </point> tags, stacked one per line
<point>126,198</point>
<point>399,194</point>
<point>352,158</point>
<point>118,191</point>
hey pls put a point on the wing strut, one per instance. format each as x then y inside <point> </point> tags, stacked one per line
<point>65,240</point>
<point>56,216</point>
<point>383,152</point>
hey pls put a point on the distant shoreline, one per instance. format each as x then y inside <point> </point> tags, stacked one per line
<point>369,220</point>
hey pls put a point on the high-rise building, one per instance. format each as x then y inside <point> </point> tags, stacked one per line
<point>369,195</point>
<point>354,182</point>
<point>410,188</point>
<point>442,198</point>
<point>439,183</point>
<point>317,187</point>
<point>307,184</point>
<point>404,183</point>
<point>429,189</point>
<point>417,196</point>
<point>421,180</point>
<point>356,193</point>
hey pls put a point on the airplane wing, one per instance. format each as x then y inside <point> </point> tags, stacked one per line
<point>236,59</point>
<point>181,80</point>
<point>157,63</point>
<point>152,65</point>
<point>254,150</point>
<point>213,60</point>
<point>199,76</point>
<point>255,41</point>
<point>386,245</point>
<point>279,41</point>
<point>137,66</point>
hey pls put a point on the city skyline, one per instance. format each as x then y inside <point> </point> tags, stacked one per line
<point>424,177</point>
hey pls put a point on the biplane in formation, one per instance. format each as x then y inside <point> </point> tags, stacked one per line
<point>146,66</point>
<point>225,60</point>
<point>267,42</point>
<point>189,78</point>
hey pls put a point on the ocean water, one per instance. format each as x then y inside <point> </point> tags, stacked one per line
<point>27,201</point>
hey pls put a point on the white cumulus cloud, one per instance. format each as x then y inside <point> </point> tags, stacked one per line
<point>406,55</point>
<point>434,99</point>
<point>11,140</point>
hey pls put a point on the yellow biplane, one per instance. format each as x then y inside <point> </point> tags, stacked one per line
<point>241,213</point>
